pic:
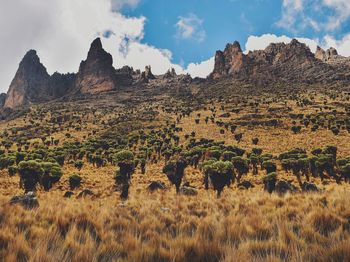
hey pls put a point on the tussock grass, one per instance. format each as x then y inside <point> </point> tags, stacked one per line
<point>166,227</point>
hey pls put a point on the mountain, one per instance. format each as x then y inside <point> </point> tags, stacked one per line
<point>32,83</point>
<point>278,63</point>
<point>96,74</point>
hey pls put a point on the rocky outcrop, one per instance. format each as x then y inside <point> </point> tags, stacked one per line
<point>293,62</point>
<point>171,73</point>
<point>60,84</point>
<point>33,84</point>
<point>96,74</point>
<point>28,201</point>
<point>146,75</point>
<point>320,53</point>
<point>30,82</point>
<point>2,99</point>
<point>124,76</point>
<point>327,55</point>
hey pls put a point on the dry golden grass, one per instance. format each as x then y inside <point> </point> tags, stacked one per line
<point>243,225</point>
<point>163,226</point>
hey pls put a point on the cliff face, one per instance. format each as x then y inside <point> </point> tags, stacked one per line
<point>96,74</point>
<point>277,63</point>
<point>30,82</point>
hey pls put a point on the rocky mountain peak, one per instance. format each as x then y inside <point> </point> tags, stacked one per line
<point>279,62</point>
<point>327,55</point>
<point>320,53</point>
<point>29,82</point>
<point>96,74</point>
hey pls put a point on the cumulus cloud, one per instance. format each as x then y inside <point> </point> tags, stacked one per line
<point>342,45</point>
<point>261,42</point>
<point>327,15</point>
<point>190,27</point>
<point>62,30</point>
<point>119,4</point>
<point>202,69</point>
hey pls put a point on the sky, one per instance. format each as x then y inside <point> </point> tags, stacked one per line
<point>182,34</point>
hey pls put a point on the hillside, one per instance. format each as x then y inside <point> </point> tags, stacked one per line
<point>250,164</point>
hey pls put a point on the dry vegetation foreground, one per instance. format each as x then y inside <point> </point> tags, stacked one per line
<point>166,227</point>
<point>223,155</point>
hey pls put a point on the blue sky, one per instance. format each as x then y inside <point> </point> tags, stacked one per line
<point>182,34</point>
<point>228,20</point>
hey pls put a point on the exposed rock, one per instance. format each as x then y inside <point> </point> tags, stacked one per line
<point>2,99</point>
<point>33,84</point>
<point>30,82</point>
<point>124,76</point>
<point>96,74</point>
<point>170,74</point>
<point>188,191</point>
<point>85,192</point>
<point>320,53</point>
<point>165,209</point>
<point>28,201</point>
<point>147,75</point>
<point>309,187</point>
<point>326,55</point>
<point>155,185</point>
<point>293,62</point>
<point>330,53</point>
<point>61,84</point>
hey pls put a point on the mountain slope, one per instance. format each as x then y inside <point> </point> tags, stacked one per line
<point>289,63</point>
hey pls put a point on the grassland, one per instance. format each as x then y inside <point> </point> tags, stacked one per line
<point>241,225</point>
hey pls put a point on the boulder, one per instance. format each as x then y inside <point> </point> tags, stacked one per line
<point>28,201</point>
<point>188,191</point>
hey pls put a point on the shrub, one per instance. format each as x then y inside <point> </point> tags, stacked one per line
<point>220,174</point>
<point>74,181</point>
<point>270,182</point>
<point>296,129</point>
<point>79,164</point>
<point>175,171</point>
<point>126,163</point>
<point>51,175</point>
<point>30,174</point>
<point>241,166</point>
<point>12,170</point>
<point>269,166</point>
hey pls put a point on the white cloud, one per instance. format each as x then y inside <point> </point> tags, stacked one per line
<point>342,45</point>
<point>202,69</point>
<point>190,27</point>
<point>119,4</point>
<point>261,42</point>
<point>62,30</point>
<point>298,15</point>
